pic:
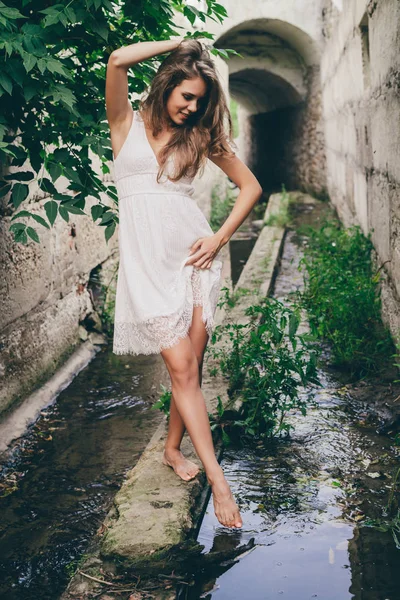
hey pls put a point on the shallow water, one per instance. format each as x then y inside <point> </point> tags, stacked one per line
<point>60,478</point>
<point>69,467</point>
<point>240,250</point>
<point>303,501</point>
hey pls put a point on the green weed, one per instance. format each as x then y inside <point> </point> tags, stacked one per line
<point>164,402</point>
<point>282,217</point>
<point>267,362</point>
<point>342,297</point>
<point>221,206</point>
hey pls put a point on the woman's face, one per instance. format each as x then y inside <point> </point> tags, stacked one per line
<point>184,99</point>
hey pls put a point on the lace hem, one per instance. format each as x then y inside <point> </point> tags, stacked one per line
<point>160,333</point>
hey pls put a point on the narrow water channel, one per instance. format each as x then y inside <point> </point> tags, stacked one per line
<point>59,480</point>
<point>303,502</point>
<point>62,476</point>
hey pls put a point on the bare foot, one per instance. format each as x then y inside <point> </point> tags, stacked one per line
<point>225,507</point>
<point>186,469</point>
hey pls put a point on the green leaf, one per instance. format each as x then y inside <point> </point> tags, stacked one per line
<point>6,83</point>
<point>41,63</point>
<point>219,9</point>
<point>51,10</point>
<point>7,148</point>
<point>56,66</point>
<point>4,190</point>
<point>74,209</point>
<point>21,237</point>
<point>107,217</point>
<point>64,213</point>
<point>294,322</point>
<point>52,19</point>
<point>72,175</point>
<point>29,61</point>
<point>20,156</point>
<point>20,176</point>
<point>63,197</point>
<point>51,208</point>
<point>47,186</point>
<point>220,407</point>
<point>29,91</point>
<point>96,210</point>
<point>19,193</point>
<point>54,169</point>
<point>11,13</point>
<point>101,29</point>
<point>61,155</point>
<point>109,231</point>
<point>17,227</point>
<point>220,52</point>
<point>63,94</point>
<point>32,234</point>
<point>70,14</point>
<point>40,220</point>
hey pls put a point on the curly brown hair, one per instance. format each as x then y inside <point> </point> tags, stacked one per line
<point>204,133</point>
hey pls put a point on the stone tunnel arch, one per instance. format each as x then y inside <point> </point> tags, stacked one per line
<point>276,83</point>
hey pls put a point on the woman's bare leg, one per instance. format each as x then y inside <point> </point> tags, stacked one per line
<point>182,365</point>
<point>173,457</point>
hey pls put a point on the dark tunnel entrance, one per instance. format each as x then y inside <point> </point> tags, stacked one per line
<point>278,91</point>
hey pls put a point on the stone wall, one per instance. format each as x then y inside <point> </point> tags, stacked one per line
<point>44,297</point>
<point>360,75</point>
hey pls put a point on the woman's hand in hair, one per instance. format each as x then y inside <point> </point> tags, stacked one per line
<point>203,251</point>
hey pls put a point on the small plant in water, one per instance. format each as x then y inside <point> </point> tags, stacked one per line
<point>267,362</point>
<point>391,517</point>
<point>164,402</point>
<point>341,296</point>
<point>221,205</point>
<point>230,298</point>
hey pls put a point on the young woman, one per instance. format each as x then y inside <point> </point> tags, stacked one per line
<point>169,276</point>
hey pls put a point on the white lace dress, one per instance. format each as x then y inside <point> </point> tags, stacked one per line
<point>158,223</point>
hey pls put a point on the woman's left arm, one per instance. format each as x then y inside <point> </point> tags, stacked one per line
<point>250,193</point>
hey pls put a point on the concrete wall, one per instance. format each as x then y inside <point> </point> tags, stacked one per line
<point>360,75</point>
<point>44,296</point>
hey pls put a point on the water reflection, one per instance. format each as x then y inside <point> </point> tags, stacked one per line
<point>303,502</point>
<point>68,469</point>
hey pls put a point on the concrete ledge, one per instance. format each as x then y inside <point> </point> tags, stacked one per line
<point>155,511</point>
<point>16,422</point>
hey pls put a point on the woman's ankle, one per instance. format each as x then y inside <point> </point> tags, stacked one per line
<point>172,448</point>
<point>215,475</point>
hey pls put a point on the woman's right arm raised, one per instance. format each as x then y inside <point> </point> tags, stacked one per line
<point>119,109</point>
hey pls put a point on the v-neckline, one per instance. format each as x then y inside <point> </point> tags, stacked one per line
<point>148,141</point>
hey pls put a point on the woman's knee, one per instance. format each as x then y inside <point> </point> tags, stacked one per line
<point>185,372</point>
<point>183,366</point>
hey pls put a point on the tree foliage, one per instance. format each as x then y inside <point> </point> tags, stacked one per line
<point>52,81</point>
